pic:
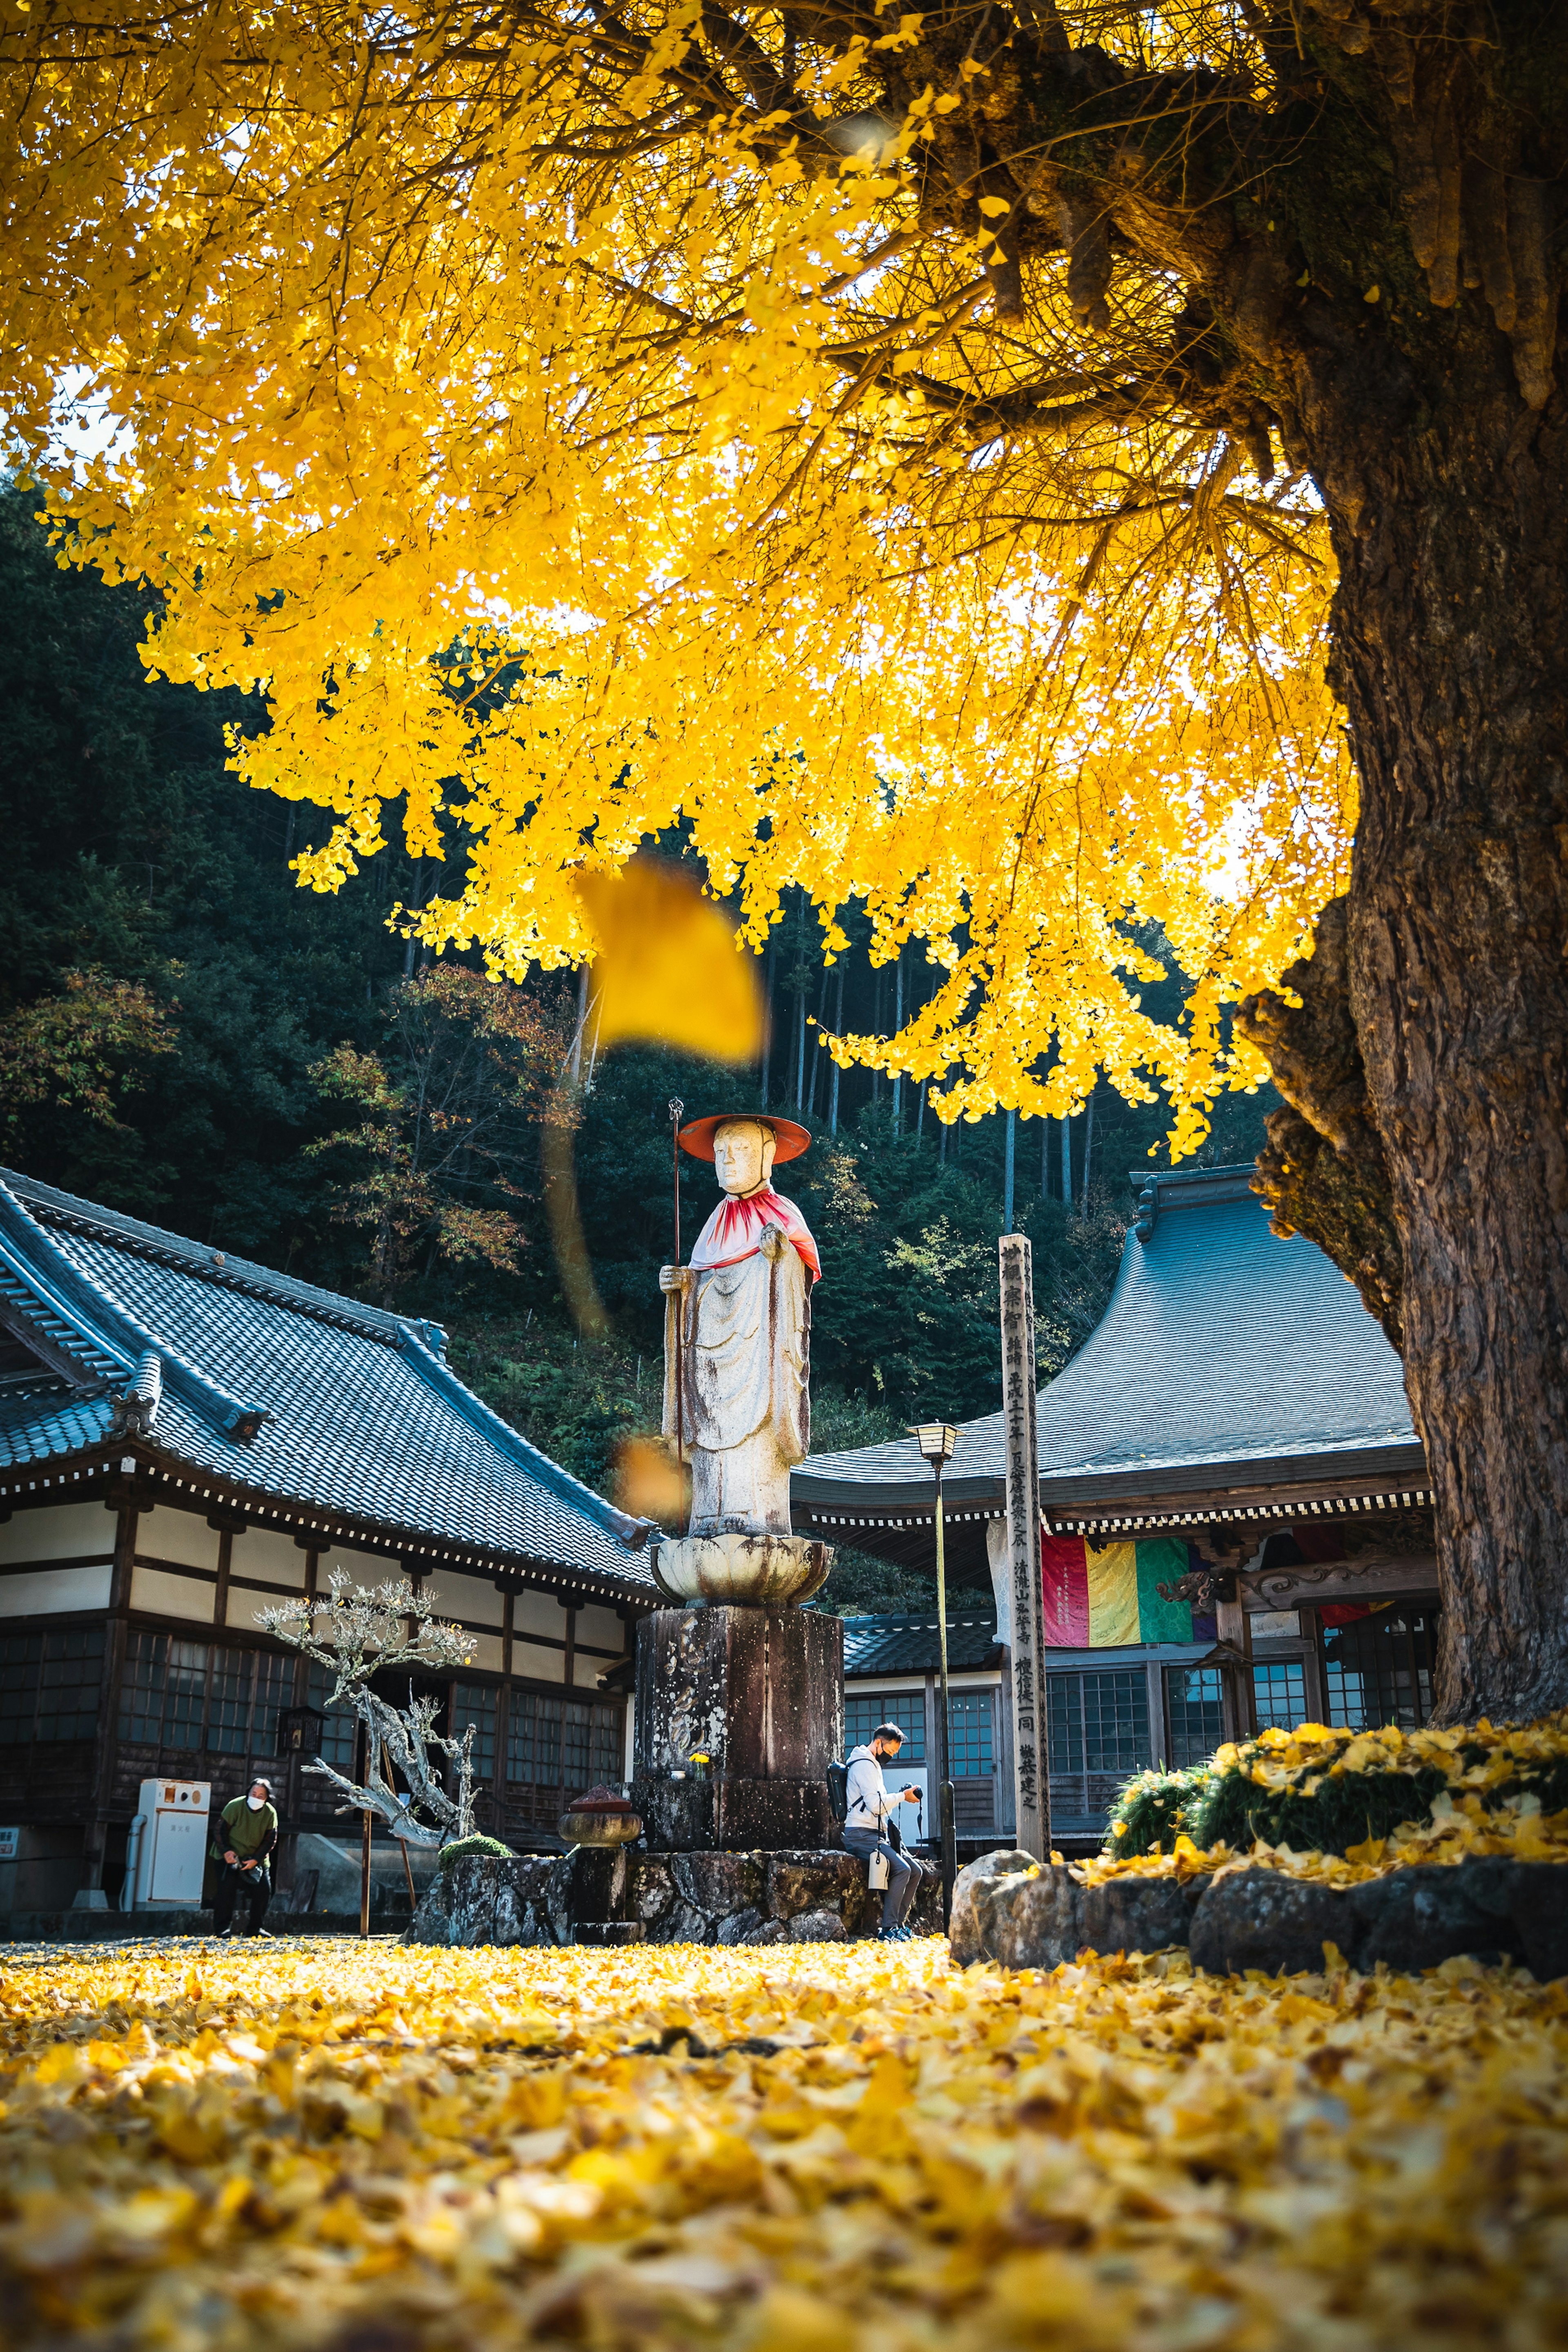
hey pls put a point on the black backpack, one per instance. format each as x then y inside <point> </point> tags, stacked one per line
<point>837,1779</point>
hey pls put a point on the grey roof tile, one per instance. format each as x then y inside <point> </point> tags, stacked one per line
<point>1222,1344</point>
<point>362,1416</point>
<point>912,1644</point>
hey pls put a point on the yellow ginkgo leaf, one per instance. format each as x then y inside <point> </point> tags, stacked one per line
<point>666,968</point>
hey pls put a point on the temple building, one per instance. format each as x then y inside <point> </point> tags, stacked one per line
<point>186,1438</point>
<point>1231,1454</point>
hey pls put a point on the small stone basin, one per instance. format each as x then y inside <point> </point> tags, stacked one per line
<point>600,1817</point>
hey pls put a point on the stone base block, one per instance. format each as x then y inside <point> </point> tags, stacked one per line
<point>807,1897</point>
<point>759,1693</point>
<point>1487,1908</point>
<point>732,1815</point>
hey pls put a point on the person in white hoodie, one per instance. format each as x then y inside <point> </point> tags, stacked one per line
<point>871,1808</point>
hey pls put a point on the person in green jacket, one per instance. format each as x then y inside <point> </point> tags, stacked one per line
<point>246,1835</point>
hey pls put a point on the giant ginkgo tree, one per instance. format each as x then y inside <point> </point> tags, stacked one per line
<point>1088,482</point>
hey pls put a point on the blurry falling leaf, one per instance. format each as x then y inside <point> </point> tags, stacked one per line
<point>666,967</point>
<point>565,1218</point>
<point>650,1484</point>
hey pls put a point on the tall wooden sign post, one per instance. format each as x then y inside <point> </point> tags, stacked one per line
<point>1031,1767</point>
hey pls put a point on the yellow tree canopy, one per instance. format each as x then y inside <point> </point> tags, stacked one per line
<point>581,418</point>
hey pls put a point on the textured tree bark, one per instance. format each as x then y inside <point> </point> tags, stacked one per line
<point>1323,1172</point>
<point>1449,503</point>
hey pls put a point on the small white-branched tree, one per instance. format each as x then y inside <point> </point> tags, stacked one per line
<point>355,1634</point>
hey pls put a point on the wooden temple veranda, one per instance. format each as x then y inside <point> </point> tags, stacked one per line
<point>184,1437</point>
<point>1236,1427</point>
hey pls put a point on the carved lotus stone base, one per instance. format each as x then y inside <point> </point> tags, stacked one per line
<point>762,1572</point>
<point>760,1694</point>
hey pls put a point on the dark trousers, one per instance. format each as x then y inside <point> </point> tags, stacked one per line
<point>253,1887</point>
<point>903,1873</point>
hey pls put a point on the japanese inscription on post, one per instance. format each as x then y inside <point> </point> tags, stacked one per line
<point>1030,1763</point>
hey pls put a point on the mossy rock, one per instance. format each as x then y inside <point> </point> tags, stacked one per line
<point>478,1843</point>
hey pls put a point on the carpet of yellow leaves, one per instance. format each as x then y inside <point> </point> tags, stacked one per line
<point>822,2150</point>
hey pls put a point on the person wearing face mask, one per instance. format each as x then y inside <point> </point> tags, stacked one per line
<point>246,1835</point>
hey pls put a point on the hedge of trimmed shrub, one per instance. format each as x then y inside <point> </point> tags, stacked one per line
<point>1322,1789</point>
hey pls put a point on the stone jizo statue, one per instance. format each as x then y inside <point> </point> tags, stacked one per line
<point>737,1346</point>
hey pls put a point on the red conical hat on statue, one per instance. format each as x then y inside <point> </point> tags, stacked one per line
<point>790,1140</point>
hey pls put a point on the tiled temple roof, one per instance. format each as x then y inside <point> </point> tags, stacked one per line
<point>912,1644</point>
<point>284,1392</point>
<point>1227,1357</point>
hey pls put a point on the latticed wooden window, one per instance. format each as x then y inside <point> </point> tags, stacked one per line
<point>475,1703</point>
<point>202,1694</point>
<point>969,1714</point>
<point>562,1743</point>
<point>1280,1694</point>
<point>1379,1669</point>
<point>49,1683</point>
<point>339,1727</point>
<point>906,1708</point>
<point>1198,1715</point>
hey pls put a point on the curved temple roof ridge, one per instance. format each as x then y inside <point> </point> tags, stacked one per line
<point>79,1299</point>
<point>1227,1357</point>
<point>342,1410</point>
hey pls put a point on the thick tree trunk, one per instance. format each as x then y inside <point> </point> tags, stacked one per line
<point>1449,499</point>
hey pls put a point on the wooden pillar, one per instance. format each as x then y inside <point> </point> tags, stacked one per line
<point>293,1776</point>
<point>503,1703</point>
<point>1031,1765</point>
<point>90,1895</point>
<point>1317,1666</point>
<point>1235,1634</point>
<point>1159,1737</point>
<point>225,1564</point>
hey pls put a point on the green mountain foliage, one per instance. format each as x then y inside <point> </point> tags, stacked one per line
<point>187,1036</point>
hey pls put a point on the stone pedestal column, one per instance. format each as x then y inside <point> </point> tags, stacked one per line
<point>761,1692</point>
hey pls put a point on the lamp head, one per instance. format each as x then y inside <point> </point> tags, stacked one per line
<point>936,1440</point>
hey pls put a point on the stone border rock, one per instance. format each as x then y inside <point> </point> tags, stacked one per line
<point>1487,1908</point>
<point>810,1898</point>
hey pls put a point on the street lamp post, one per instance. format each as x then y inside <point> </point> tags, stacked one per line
<point>936,1440</point>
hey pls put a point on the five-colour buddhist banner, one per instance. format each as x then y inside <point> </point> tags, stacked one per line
<point>1107,1600</point>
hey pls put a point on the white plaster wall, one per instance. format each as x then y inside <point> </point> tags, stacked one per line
<point>268,1557</point>
<point>169,1534</point>
<point>601,1629</point>
<point>486,1653</point>
<point>471,1599</point>
<point>59,1531</point>
<point>163,1594</point>
<point>367,1568</point>
<point>34,1592</point>
<point>543,1666</point>
<point>539,1612</point>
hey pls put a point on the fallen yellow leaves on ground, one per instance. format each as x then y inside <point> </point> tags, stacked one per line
<point>823,2150</point>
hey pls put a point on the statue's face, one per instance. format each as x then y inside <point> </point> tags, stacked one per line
<point>743,1155</point>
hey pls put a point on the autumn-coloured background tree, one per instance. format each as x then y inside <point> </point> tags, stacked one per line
<point>977,461</point>
<point>442,1153</point>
